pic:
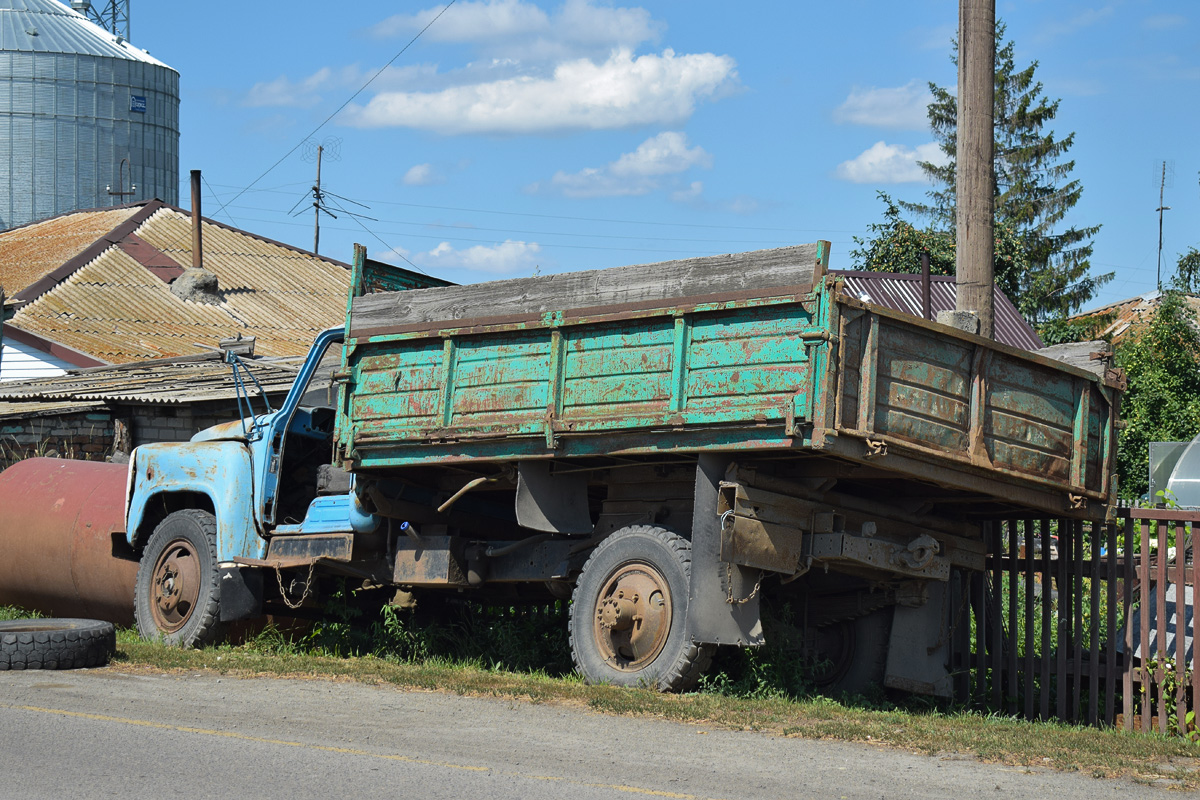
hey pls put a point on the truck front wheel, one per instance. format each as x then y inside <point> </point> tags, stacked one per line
<point>629,613</point>
<point>177,593</point>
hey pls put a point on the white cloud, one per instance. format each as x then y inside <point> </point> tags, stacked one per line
<point>575,28</point>
<point>691,195</point>
<point>1163,22</point>
<point>504,258</point>
<point>423,175</point>
<point>1085,19</point>
<point>285,93</point>
<point>902,107</point>
<point>622,91</point>
<point>890,163</point>
<point>307,92</point>
<point>636,173</point>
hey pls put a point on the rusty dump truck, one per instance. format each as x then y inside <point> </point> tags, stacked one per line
<point>675,448</point>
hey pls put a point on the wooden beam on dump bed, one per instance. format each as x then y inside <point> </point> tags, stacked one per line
<point>641,285</point>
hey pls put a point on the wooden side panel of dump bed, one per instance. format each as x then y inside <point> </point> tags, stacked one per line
<point>732,374</point>
<point>763,366</point>
<point>910,386</point>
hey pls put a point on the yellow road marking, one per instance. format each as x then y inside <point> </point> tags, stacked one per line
<point>143,723</point>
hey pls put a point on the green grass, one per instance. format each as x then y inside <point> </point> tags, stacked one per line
<point>749,691</point>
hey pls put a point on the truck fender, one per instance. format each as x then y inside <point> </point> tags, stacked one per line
<point>221,471</point>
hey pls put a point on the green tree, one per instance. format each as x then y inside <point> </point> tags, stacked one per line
<point>1187,272</point>
<point>1034,190</point>
<point>895,245</point>
<point>1162,404</point>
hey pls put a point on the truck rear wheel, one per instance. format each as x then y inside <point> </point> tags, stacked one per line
<point>629,613</point>
<point>177,593</point>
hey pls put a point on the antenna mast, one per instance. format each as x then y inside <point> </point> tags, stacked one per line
<point>317,198</point>
<point>1161,208</point>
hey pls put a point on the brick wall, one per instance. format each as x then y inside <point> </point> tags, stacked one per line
<point>89,436</point>
<point>82,435</point>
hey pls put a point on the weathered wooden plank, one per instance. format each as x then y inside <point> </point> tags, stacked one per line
<point>1127,624</point>
<point>1047,623</point>
<point>1160,626</point>
<point>1110,649</point>
<point>1063,580</point>
<point>1096,530</point>
<point>993,531</point>
<point>1181,670</point>
<point>1093,356</point>
<point>1075,527</point>
<point>1144,589</point>
<point>1029,631</point>
<point>800,266</point>
<point>1190,626</point>
<point>1013,630</point>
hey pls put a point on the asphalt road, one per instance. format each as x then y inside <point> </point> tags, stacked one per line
<point>103,733</point>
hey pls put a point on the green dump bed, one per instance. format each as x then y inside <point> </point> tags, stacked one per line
<point>724,354</point>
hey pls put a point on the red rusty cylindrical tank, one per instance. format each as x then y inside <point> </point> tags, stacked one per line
<point>62,527</point>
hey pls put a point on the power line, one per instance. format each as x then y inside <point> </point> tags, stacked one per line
<point>590,219</point>
<point>709,251</point>
<point>546,233</point>
<point>348,101</point>
<point>339,109</point>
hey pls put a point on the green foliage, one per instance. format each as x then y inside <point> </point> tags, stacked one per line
<point>1162,404</point>
<point>896,245</point>
<point>1063,330</point>
<point>1033,195</point>
<point>1187,274</point>
<point>771,671</point>
<point>14,612</point>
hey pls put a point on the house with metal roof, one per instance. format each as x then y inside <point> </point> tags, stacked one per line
<point>98,287</point>
<point>904,292</point>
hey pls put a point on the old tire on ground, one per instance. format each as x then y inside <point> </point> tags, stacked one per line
<point>629,613</point>
<point>55,643</point>
<point>856,652</point>
<point>177,594</point>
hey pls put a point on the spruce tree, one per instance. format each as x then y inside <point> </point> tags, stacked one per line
<point>1034,189</point>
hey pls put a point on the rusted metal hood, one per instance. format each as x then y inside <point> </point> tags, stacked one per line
<point>232,431</point>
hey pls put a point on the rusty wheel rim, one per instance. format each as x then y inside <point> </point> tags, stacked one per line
<point>633,617</point>
<point>175,585</point>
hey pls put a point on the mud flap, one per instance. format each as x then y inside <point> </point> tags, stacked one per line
<point>712,617</point>
<point>241,592</point>
<point>920,646</point>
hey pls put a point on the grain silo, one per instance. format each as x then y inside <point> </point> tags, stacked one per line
<point>86,119</point>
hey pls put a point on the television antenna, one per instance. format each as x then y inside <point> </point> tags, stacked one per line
<point>329,148</point>
<point>1162,184</point>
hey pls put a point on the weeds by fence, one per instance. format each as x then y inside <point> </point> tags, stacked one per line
<point>1083,622</point>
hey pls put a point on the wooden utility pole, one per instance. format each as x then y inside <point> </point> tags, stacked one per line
<point>317,204</point>
<point>974,176</point>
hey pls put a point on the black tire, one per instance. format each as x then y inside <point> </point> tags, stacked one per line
<point>631,560</point>
<point>857,656</point>
<point>178,591</point>
<point>56,643</point>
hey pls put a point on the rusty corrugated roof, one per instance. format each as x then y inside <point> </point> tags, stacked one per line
<point>1130,315</point>
<point>902,292</point>
<point>32,251</point>
<point>106,293</point>
<point>189,380</point>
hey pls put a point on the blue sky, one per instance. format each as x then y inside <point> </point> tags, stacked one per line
<point>517,137</point>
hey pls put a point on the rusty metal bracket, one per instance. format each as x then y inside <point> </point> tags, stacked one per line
<point>875,447</point>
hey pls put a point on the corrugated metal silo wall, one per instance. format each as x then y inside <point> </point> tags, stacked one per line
<point>67,121</point>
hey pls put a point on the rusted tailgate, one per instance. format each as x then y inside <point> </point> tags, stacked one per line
<point>906,385</point>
